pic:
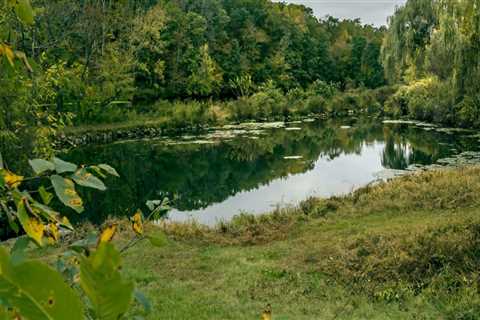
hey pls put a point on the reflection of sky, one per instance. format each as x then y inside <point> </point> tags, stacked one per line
<point>329,177</point>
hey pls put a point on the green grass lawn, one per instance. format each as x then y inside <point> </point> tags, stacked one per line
<point>408,249</point>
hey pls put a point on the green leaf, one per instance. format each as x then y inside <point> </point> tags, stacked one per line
<point>152,204</point>
<point>24,11</point>
<point>64,166</point>
<point>108,169</point>
<point>18,250</point>
<point>4,313</point>
<point>20,245</point>
<point>86,243</point>
<point>46,212</point>
<point>5,209</point>
<point>159,239</point>
<point>36,291</point>
<point>12,223</point>
<point>109,294</point>
<point>39,166</point>
<point>86,179</point>
<point>97,171</point>
<point>65,191</point>
<point>45,195</point>
<point>143,300</point>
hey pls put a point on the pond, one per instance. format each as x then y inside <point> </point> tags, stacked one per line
<point>254,168</point>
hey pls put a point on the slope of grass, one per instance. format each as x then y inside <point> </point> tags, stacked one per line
<point>407,249</point>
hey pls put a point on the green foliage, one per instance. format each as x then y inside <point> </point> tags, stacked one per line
<point>322,89</point>
<point>242,85</point>
<point>35,291</point>
<point>102,283</point>
<point>426,99</point>
<point>104,62</point>
<point>39,166</point>
<point>435,59</point>
<point>84,178</point>
<point>32,290</point>
<point>65,191</point>
<point>24,11</point>
<point>39,221</point>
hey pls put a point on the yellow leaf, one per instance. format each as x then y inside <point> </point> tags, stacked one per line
<point>107,233</point>
<point>53,233</point>
<point>9,54</point>
<point>137,223</point>
<point>21,55</point>
<point>11,179</point>
<point>66,223</point>
<point>35,229</point>
<point>267,313</point>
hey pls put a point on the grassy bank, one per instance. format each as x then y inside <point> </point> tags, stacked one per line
<point>405,249</point>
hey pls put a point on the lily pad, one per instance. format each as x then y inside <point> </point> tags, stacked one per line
<point>400,121</point>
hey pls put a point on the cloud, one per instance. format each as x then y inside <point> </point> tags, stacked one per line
<point>373,12</point>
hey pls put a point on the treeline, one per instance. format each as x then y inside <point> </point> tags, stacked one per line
<point>432,49</point>
<point>97,58</point>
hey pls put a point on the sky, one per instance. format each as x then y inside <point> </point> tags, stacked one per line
<point>369,11</point>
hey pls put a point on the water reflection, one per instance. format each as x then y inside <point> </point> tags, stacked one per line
<point>208,182</point>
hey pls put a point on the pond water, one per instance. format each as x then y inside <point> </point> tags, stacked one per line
<point>253,168</point>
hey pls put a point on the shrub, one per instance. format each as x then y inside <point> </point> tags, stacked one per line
<point>242,109</point>
<point>336,105</point>
<point>269,101</point>
<point>316,105</point>
<point>468,113</point>
<point>426,99</point>
<point>323,89</point>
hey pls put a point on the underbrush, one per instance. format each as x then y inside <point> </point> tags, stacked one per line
<point>269,103</point>
<point>433,100</point>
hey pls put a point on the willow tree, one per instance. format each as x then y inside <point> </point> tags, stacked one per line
<point>404,45</point>
<point>438,40</point>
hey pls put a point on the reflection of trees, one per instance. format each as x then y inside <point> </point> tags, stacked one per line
<point>407,145</point>
<point>395,155</point>
<point>195,176</point>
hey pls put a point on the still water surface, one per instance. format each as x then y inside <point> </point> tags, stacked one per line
<point>220,174</point>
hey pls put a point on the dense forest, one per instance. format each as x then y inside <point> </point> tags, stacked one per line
<point>86,62</point>
<point>99,61</point>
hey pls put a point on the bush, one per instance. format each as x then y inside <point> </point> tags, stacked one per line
<point>316,105</point>
<point>269,101</point>
<point>323,89</point>
<point>190,114</point>
<point>242,109</point>
<point>342,104</point>
<point>468,112</point>
<point>427,99</point>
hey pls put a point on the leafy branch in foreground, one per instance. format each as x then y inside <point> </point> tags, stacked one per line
<point>88,282</point>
